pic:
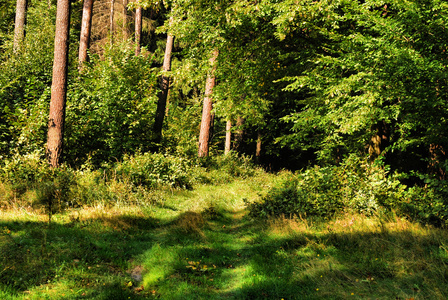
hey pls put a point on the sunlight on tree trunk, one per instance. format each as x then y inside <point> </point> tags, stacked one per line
<point>111,23</point>
<point>164,88</point>
<point>207,118</point>
<point>138,30</point>
<point>258,148</point>
<point>86,26</point>
<point>59,85</point>
<point>228,137</point>
<point>19,29</point>
<point>125,20</point>
<point>239,133</point>
<point>380,140</point>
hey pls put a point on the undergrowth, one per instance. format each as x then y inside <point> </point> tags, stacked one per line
<point>28,181</point>
<point>354,186</point>
<point>157,226</point>
<point>207,248</point>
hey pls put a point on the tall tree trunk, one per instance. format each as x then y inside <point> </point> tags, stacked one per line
<point>228,142</point>
<point>111,21</point>
<point>125,19</point>
<point>59,85</point>
<point>138,30</point>
<point>164,88</point>
<point>207,118</point>
<point>239,133</point>
<point>258,149</point>
<point>19,29</point>
<point>380,139</point>
<point>86,26</point>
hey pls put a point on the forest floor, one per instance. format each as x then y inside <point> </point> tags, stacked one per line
<point>200,244</point>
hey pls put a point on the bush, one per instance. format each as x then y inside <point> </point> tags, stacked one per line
<point>224,168</point>
<point>355,186</point>
<point>110,107</point>
<point>32,182</point>
<point>427,204</point>
<point>154,170</point>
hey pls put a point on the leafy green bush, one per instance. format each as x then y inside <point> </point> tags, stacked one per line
<point>427,204</point>
<point>110,107</point>
<point>223,168</point>
<point>34,183</point>
<point>355,185</point>
<point>154,170</point>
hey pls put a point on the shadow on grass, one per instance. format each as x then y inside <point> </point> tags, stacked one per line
<point>217,254</point>
<point>79,255</point>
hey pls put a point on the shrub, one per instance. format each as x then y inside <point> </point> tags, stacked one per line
<point>223,168</point>
<point>355,185</point>
<point>154,170</point>
<point>427,203</point>
<point>34,183</point>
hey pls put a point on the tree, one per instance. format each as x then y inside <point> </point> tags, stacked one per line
<point>228,141</point>
<point>125,19</point>
<point>164,87</point>
<point>59,85</point>
<point>207,118</point>
<point>138,29</point>
<point>19,29</point>
<point>111,21</point>
<point>258,147</point>
<point>86,25</point>
<point>239,134</point>
<point>378,72</point>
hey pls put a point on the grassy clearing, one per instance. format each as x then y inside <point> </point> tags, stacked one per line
<point>200,244</point>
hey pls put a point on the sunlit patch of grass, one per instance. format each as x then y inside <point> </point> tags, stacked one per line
<point>368,257</point>
<point>199,245</point>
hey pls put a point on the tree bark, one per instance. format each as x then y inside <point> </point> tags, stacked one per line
<point>380,139</point>
<point>111,22</point>
<point>239,133</point>
<point>258,149</point>
<point>86,26</point>
<point>138,30</point>
<point>19,29</point>
<point>59,85</point>
<point>228,142</point>
<point>164,88</point>
<point>125,19</point>
<point>207,118</point>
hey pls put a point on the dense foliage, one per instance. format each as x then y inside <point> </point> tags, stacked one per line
<point>355,89</point>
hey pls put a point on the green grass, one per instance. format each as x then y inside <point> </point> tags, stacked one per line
<point>199,244</point>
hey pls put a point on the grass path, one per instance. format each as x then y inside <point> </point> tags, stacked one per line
<point>200,245</point>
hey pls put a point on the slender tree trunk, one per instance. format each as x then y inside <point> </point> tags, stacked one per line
<point>59,85</point>
<point>239,133</point>
<point>19,29</point>
<point>111,22</point>
<point>86,26</point>
<point>207,118</point>
<point>138,30</point>
<point>167,109</point>
<point>258,149</point>
<point>125,19</point>
<point>228,142</point>
<point>164,88</point>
